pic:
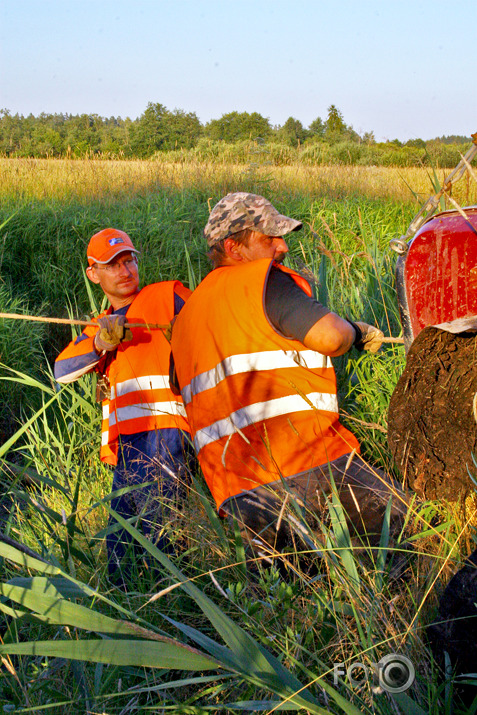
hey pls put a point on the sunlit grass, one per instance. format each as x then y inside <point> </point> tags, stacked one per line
<point>67,179</point>
<point>265,638</point>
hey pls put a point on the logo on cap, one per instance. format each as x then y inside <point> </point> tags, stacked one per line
<point>114,241</point>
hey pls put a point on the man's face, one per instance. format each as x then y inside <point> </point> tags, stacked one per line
<point>119,278</point>
<point>261,246</point>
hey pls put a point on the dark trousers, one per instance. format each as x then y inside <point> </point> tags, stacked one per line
<point>162,457</point>
<point>268,517</point>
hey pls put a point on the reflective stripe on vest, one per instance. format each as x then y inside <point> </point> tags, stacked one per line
<point>146,382</point>
<point>149,409</point>
<point>259,411</point>
<point>138,410</point>
<point>248,362</point>
<point>105,425</point>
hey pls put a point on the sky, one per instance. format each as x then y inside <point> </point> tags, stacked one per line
<point>401,69</point>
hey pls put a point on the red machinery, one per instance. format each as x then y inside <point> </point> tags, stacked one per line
<point>433,410</point>
<point>437,276</point>
<point>436,271</point>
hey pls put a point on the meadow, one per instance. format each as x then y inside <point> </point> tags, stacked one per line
<point>199,632</point>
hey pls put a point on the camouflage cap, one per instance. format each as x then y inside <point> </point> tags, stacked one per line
<point>240,210</point>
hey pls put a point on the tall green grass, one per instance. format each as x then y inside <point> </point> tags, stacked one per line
<point>45,243</point>
<point>207,636</point>
<point>202,633</point>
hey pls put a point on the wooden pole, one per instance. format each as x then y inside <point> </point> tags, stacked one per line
<point>149,326</point>
<point>400,341</point>
<point>71,321</point>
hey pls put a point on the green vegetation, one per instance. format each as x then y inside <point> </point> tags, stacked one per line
<point>201,633</point>
<point>159,130</point>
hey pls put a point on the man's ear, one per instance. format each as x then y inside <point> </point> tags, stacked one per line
<point>232,250</point>
<point>92,275</point>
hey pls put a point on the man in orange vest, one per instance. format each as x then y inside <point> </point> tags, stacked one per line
<point>145,434</point>
<point>251,355</point>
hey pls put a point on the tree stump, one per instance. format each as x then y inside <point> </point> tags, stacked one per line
<point>432,428</point>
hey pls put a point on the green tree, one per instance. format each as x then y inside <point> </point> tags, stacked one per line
<point>317,128</point>
<point>237,126</point>
<point>148,133</point>
<point>416,143</point>
<point>48,135</point>
<point>10,132</point>
<point>158,129</point>
<point>454,139</point>
<point>336,130</point>
<point>368,138</point>
<point>334,123</point>
<point>183,130</point>
<point>26,126</point>
<point>292,133</point>
<point>115,136</point>
<point>83,134</point>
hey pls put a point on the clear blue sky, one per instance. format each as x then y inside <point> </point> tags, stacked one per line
<point>403,69</point>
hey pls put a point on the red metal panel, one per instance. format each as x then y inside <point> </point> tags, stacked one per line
<point>440,273</point>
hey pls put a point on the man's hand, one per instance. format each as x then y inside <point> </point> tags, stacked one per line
<point>111,332</point>
<point>368,337</point>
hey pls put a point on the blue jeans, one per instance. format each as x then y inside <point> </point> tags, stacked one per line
<point>160,456</point>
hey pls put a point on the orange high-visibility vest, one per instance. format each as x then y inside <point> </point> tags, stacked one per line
<point>141,398</point>
<point>261,407</point>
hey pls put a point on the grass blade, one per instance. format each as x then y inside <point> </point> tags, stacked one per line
<point>137,653</point>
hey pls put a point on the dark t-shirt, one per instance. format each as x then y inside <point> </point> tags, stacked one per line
<point>289,309</point>
<point>291,312</point>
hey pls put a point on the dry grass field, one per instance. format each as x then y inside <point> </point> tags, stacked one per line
<point>66,179</point>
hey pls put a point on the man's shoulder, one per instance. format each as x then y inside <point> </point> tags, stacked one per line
<point>162,289</point>
<point>259,266</point>
<point>159,286</point>
<point>162,286</point>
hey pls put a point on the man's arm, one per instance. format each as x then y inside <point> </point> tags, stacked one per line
<point>78,358</point>
<point>85,352</point>
<point>330,335</point>
<point>295,315</point>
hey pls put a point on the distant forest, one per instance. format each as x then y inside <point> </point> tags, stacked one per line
<point>237,136</point>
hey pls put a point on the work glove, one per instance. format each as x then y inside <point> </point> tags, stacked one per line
<point>368,337</point>
<point>111,332</point>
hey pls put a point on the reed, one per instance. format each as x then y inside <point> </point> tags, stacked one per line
<point>206,634</point>
<point>109,180</point>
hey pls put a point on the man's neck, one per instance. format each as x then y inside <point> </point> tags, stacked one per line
<point>228,261</point>
<point>118,303</point>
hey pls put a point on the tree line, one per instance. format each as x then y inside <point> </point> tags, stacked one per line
<point>159,129</point>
